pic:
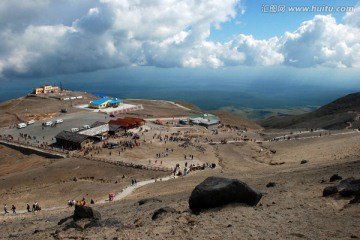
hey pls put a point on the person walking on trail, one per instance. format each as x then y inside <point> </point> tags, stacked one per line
<point>28,207</point>
<point>13,208</point>
<point>5,209</point>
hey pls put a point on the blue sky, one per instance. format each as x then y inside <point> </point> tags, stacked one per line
<point>39,40</point>
<point>263,25</point>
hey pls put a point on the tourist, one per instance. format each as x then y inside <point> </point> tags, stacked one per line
<point>28,207</point>
<point>13,208</point>
<point>92,201</point>
<point>5,209</point>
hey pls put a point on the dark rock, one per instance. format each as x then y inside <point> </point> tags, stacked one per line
<point>354,236</point>
<point>64,220</point>
<point>329,190</point>
<point>112,223</point>
<point>93,223</point>
<point>162,211</point>
<point>218,191</point>
<point>270,184</point>
<point>85,212</point>
<point>335,177</point>
<point>304,161</point>
<point>74,179</point>
<point>349,187</point>
<point>356,199</point>
<point>13,235</point>
<point>73,225</point>
<point>37,231</point>
<point>147,200</point>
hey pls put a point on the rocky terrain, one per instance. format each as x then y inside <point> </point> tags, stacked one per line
<point>290,173</point>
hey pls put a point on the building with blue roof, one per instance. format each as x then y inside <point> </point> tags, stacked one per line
<point>105,102</point>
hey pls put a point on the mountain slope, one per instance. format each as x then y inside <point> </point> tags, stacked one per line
<point>339,114</point>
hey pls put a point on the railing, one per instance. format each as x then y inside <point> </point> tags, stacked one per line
<point>122,163</point>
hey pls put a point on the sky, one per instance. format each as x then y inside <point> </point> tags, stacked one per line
<point>44,38</point>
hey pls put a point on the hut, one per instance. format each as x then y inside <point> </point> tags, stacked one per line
<point>72,140</point>
<point>125,124</point>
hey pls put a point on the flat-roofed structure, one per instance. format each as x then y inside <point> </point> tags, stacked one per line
<point>72,140</point>
<point>105,102</point>
<point>207,120</point>
<point>46,89</point>
<point>97,132</point>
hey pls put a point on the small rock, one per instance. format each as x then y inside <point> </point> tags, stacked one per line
<point>13,235</point>
<point>335,177</point>
<point>93,223</point>
<point>329,190</point>
<point>356,199</point>
<point>64,220</point>
<point>270,184</point>
<point>162,211</point>
<point>73,225</point>
<point>304,161</point>
<point>147,200</point>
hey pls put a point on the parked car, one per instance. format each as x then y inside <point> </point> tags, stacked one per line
<point>64,110</point>
<point>59,121</point>
<point>21,125</point>
<point>49,123</point>
<point>30,122</point>
<point>74,129</point>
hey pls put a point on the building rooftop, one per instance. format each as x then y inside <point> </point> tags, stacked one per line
<point>71,136</point>
<point>96,130</point>
<point>100,101</point>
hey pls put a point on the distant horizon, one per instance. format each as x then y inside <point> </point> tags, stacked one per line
<point>223,90</point>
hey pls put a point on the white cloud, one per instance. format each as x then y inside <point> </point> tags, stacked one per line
<point>38,39</point>
<point>322,42</point>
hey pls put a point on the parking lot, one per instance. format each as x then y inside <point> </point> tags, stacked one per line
<point>47,133</point>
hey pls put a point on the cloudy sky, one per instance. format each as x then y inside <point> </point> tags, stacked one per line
<point>52,37</point>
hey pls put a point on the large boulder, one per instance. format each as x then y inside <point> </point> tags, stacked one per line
<point>85,212</point>
<point>217,191</point>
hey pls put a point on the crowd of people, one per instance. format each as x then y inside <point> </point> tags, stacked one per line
<point>82,202</point>
<point>35,207</point>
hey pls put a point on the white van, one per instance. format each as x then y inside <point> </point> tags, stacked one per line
<point>21,125</point>
<point>30,122</point>
<point>49,123</point>
<point>86,127</point>
<point>74,129</point>
<point>59,121</point>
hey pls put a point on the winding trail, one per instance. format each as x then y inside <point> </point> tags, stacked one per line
<point>128,190</point>
<point>118,196</point>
